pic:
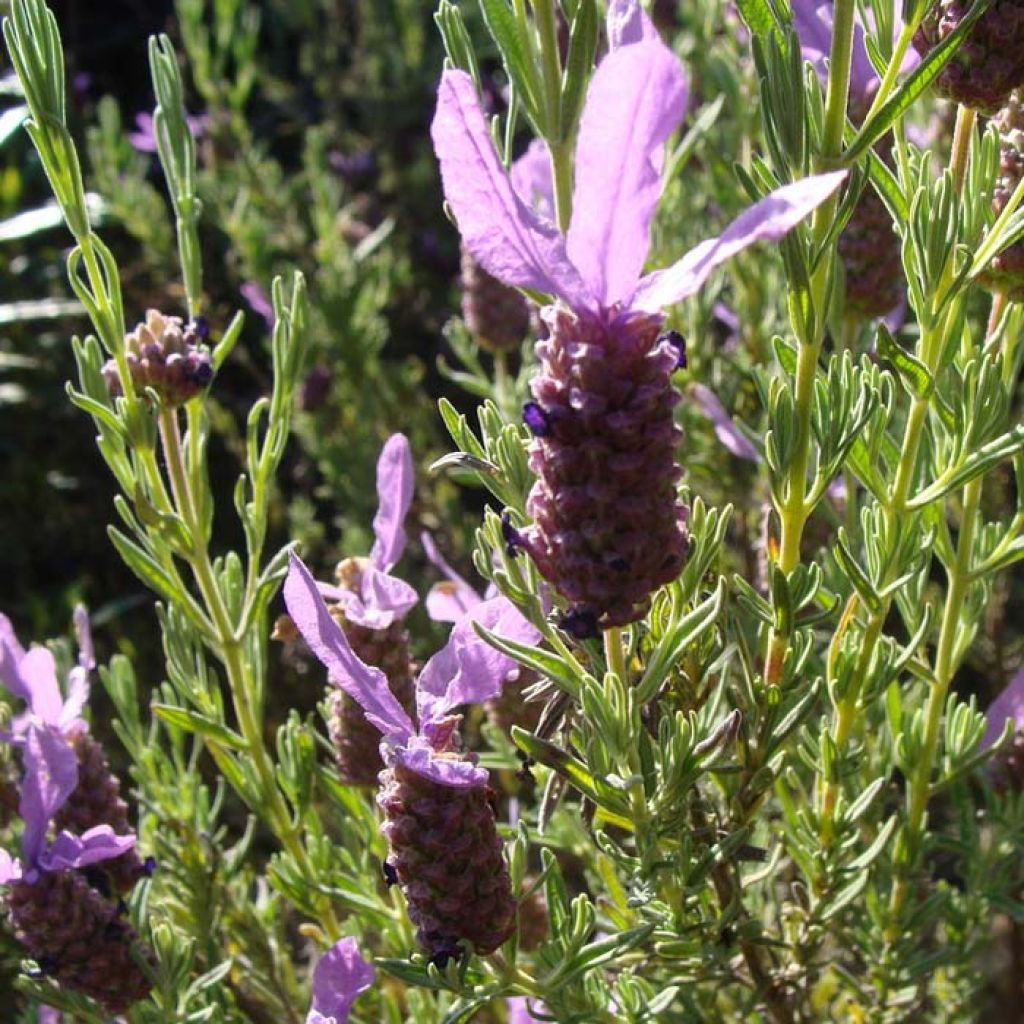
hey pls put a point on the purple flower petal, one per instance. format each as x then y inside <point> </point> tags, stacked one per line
<point>725,430</point>
<point>1008,706</point>
<point>446,769</point>
<point>51,774</point>
<point>83,634</point>
<point>636,99</point>
<point>765,221</point>
<point>507,238</point>
<point>468,670</point>
<point>259,302</point>
<point>450,600</point>
<point>10,868</point>
<point>627,23</point>
<point>366,685</point>
<point>394,491</point>
<point>531,178</point>
<point>48,1015</point>
<point>381,599</point>
<point>97,844</point>
<point>519,1010</point>
<point>11,655</point>
<point>338,979</point>
<point>78,695</point>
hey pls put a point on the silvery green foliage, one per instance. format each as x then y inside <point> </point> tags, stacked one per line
<point>766,797</point>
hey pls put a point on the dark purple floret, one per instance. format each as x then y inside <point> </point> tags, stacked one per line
<point>149,866</point>
<point>580,623</point>
<point>201,327</point>
<point>513,538</point>
<point>390,875</point>
<point>536,420</point>
<point>678,342</point>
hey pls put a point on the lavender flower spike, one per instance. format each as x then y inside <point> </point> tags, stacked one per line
<point>338,979</point>
<point>608,526</point>
<point>438,810</point>
<point>1006,769</point>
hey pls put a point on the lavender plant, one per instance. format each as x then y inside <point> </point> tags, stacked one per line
<point>758,785</point>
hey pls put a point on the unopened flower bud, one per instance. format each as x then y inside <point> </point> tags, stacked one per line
<point>166,355</point>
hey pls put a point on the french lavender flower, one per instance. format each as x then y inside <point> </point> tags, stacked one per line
<point>96,799</point>
<point>77,934</point>
<point>868,246</point>
<point>1006,272</point>
<point>166,355</point>
<point>497,316</point>
<point>989,63</point>
<point>369,604</point>
<point>1006,769</point>
<point>338,980</point>
<point>449,601</point>
<point>608,527</point>
<point>439,816</point>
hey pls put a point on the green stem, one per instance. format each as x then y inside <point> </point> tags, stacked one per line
<point>614,654</point>
<point>229,648</point>
<point>888,82</point>
<point>945,667</point>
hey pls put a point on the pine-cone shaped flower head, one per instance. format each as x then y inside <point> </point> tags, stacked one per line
<point>80,938</point>
<point>167,355</point>
<point>446,854</point>
<point>355,740</point>
<point>608,526</point>
<point>605,311</point>
<point>497,316</point>
<point>1006,272</point>
<point>96,800</point>
<point>439,813</point>
<point>989,63</point>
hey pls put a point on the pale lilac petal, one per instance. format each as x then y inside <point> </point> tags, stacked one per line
<point>51,774</point>
<point>1008,706</point>
<point>765,221</point>
<point>394,492</point>
<point>450,600</point>
<point>78,695</point>
<point>338,979</point>
<point>11,655</point>
<point>39,671</point>
<point>627,23</point>
<point>92,847</point>
<point>366,685</point>
<point>259,302</point>
<point>725,430</point>
<point>531,178</point>
<point>48,1015</point>
<point>636,99</point>
<point>519,1010</point>
<point>83,634</point>
<point>419,757</point>
<point>380,600</point>
<point>10,868</point>
<point>506,237</point>
<point>468,670</point>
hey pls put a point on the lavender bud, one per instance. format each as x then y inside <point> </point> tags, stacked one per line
<point>496,315</point>
<point>536,420</point>
<point>1006,271</point>
<point>678,342</point>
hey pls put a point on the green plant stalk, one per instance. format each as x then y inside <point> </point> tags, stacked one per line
<point>945,667</point>
<point>229,648</point>
<point>888,82</point>
<point>931,347</point>
<point>794,512</point>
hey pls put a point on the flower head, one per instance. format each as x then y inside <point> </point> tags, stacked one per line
<point>465,671</point>
<point>338,979</point>
<point>51,775</point>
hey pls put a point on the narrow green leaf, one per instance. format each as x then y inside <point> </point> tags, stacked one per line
<point>758,17</point>
<point>578,65</point>
<point>193,722</point>
<point>548,665</point>
<point>911,370</point>
<point>502,25</point>
<point>976,464</point>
